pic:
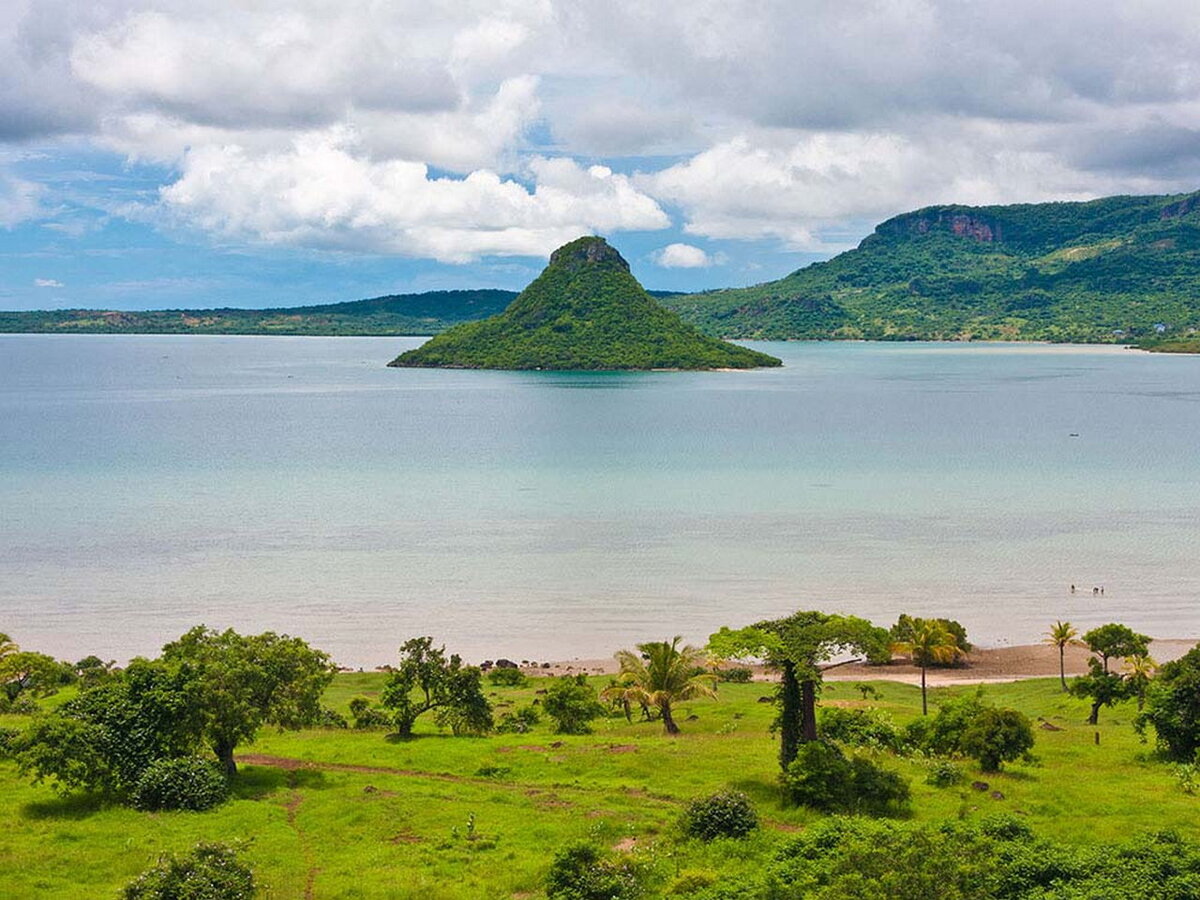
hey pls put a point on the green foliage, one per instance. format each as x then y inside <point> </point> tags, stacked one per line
<point>427,680</point>
<point>997,859</point>
<point>247,681</point>
<point>571,702</point>
<point>105,738</point>
<point>906,626</point>
<point>725,814</point>
<point>91,670</point>
<point>823,777</point>
<point>943,773</point>
<point>8,739</point>
<point>858,728</point>
<point>661,674</point>
<point>1116,641</point>
<point>519,721</point>
<point>367,716</point>
<point>734,675</point>
<point>1108,270</point>
<point>330,718</point>
<point>582,871</point>
<point>1101,687</point>
<point>585,311</point>
<point>507,677</point>
<point>25,673</point>
<point>209,872</point>
<point>945,734</point>
<point>996,736</point>
<point>1173,707</point>
<point>186,782</point>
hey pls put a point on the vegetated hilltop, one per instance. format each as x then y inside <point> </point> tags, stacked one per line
<point>1116,270</point>
<point>395,314</point>
<point>585,311</point>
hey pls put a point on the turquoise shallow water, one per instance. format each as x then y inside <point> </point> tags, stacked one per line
<point>149,483</point>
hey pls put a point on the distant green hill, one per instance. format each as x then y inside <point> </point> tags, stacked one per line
<point>397,314</point>
<point>1120,269</point>
<point>585,311</point>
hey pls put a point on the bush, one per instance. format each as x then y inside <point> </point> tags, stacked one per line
<point>582,872</point>
<point>723,814</point>
<point>996,736</point>
<point>330,718</point>
<point>1173,707</point>
<point>571,702</point>
<point>209,872</point>
<point>736,675</point>
<point>822,777</point>
<point>368,716</point>
<point>857,728</point>
<point>507,677</point>
<point>943,773</point>
<point>944,734</point>
<point>520,721</point>
<point>184,783</point>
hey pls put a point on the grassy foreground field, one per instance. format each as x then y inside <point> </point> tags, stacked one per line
<point>343,813</point>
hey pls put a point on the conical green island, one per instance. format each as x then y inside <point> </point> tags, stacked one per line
<point>585,311</point>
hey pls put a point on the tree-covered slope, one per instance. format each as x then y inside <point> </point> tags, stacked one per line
<point>396,314</point>
<point>1111,270</point>
<point>585,311</point>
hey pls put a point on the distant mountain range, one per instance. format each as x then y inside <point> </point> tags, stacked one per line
<point>1115,270</point>
<point>1120,269</point>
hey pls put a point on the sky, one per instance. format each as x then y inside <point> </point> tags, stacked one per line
<point>255,153</point>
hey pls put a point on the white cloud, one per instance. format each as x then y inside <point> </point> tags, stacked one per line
<point>20,200</point>
<point>47,283</point>
<point>321,193</point>
<point>682,256</point>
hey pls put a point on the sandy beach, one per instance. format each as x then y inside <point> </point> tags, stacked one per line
<point>983,666</point>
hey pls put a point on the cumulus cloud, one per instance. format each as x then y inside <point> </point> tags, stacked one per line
<point>47,283</point>
<point>682,256</point>
<point>20,200</point>
<point>753,119</point>
<point>320,193</point>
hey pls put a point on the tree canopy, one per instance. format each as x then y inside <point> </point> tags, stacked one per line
<point>426,680</point>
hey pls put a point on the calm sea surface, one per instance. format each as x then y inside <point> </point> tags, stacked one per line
<point>296,484</point>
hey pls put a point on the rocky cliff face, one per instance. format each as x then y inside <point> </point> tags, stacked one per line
<point>948,219</point>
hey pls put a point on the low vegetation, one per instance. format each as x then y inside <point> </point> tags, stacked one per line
<point>962,802</point>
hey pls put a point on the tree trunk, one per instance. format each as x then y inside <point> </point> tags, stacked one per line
<point>808,711</point>
<point>1062,665</point>
<point>224,754</point>
<point>789,715</point>
<point>1094,718</point>
<point>404,725</point>
<point>924,702</point>
<point>668,722</point>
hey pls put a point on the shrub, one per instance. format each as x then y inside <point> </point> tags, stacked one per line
<point>944,735</point>
<point>822,777</point>
<point>184,783</point>
<point>507,677</point>
<point>690,881</point>
<point>571,702</point>
<point>723,814</point>
<point>736,675</point>
<point>520,721</point>
<point>368,716</point>
<point>943,773</point>
<point>857,727</point>
<point>8,737</point>
<point>582,872</point>
<point>996,736</point>
<point>330,718</point>
<point>209,872</point>
<point>1173,707</point>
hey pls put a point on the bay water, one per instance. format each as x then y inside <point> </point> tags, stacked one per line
<point>150,483</point>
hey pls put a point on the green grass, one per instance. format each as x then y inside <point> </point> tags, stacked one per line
<point>372,817</point>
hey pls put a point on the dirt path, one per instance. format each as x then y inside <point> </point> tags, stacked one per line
<point>292,807</point>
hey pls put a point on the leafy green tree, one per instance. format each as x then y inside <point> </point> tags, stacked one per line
<point>996,736</point>
<point>27,672</point>
<point>1062,635</point>
<point>91,670</point>
<point>823,777</point>
<point>105,738</point>
<point>1173,707</point>
<point>427,680</point>
<point>927,641</point>
<point>1102,688</point>
<point>571,702</point>
<point>247,681</point>
<point>796,646</point>
<point>660,674</point>
<point>1138,671</point>
<point>1116,641</point>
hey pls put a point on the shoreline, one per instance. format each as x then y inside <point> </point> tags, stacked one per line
<point>985,665</point>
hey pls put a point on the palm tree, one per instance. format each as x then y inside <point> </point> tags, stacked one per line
<point>7,645</point>
<point>1063,635</point>
<point>1138,671</point>
<point>929,641</point>
<point>662,673</point>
